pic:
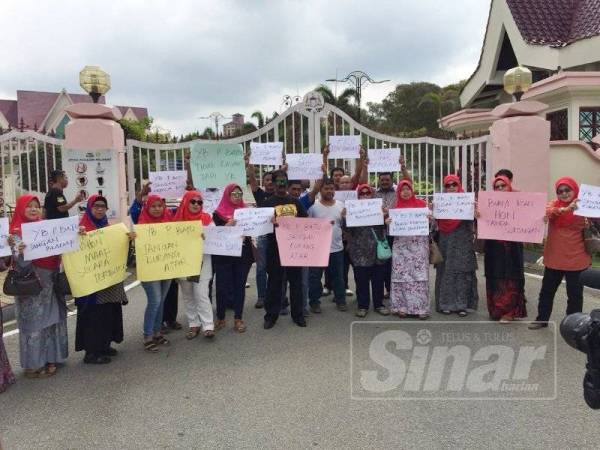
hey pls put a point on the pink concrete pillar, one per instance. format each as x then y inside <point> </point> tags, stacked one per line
<point>521,143</point>
<point>94,155</point>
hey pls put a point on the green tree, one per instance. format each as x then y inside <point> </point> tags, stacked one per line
<point>260,118</point>
<point>342,101</point>
<point>136,129</point>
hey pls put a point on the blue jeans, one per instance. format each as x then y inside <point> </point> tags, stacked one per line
<point>261,266</point>
<point>156,292</point>
<point>335,269</point>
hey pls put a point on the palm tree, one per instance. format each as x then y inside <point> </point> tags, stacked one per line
<point>446,99</point>
<point>342,101</point>
<point>260,118</point>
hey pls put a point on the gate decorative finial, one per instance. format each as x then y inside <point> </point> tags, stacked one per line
<point>313,102</point>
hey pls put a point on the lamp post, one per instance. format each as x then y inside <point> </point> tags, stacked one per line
<point>216,116</point>
<point>358,78</point>
<point>517,81</point>
<point>94,81</point>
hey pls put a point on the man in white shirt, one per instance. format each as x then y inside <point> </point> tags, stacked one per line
<point>329,208</point>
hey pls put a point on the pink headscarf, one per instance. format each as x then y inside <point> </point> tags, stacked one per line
<point>226,206</point>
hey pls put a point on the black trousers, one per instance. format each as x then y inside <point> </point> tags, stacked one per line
<point>231,274</point>
<point>328,284</point>
<point>550,283</point>
<point>97,326</point>
<point>276,276</point>
<point>170,306</point>
<point>369,280</point>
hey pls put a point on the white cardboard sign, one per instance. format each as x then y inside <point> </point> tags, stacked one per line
<point>304,166</point>
<point>344,147</point>
<point>266,153</point>
<point>361,213</point>
<point>254,221</point>
<point>384,159</point>
<point>224,241</point>
<point>50,237</point>
<point>169,184</point>
<point>409,222</point>
<point>454,205</point>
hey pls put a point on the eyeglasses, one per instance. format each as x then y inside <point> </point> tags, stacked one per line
<point>281,182</point>
<point>196,202</point>
<point>451,185</point>
<point>364,193</point>
<point>563,191</point>
<point>236,194</point>
<point>99,206</point>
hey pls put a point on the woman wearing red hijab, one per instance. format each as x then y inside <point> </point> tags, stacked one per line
<point>455,277</point>
<point>564,253</point>
<point>410,264</point>
<point>504,272</point>
<point>99,315</point>
<point>195,293</point>
<point>42,318</point>
<point>231,272</point>
<point>154,211</point>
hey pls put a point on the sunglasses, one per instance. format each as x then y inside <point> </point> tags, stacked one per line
<point>196,202</point>
<point>451,185</point>
<point>563,191</point>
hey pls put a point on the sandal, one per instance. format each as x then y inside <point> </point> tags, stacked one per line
<point>192,333</point>
<point>161,340</point>
<point>220,324</point>
<point>423,316</point>
<point>51,368</point>
<point>402,315</point>
<point>40,373</point>
<point>239,326</point>
<point>150,346</point>
<point>209,334</point>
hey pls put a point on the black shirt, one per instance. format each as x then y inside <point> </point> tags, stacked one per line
<point>285,206</point>
<point>260,196</point>
<point>54,199</point>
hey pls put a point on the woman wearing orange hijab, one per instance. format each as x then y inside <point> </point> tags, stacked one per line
<point>455,278</point>
<point>564,253</point>
<point>42,318</point>
<point>195,293</point>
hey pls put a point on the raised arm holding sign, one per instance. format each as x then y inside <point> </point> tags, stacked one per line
<point>266,153</point>
<point>384,159</point>
<point>216,165</point>
<point>344,147</point>
<point>304,166</point>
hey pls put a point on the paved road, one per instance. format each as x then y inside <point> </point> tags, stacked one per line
<point>288,387</point>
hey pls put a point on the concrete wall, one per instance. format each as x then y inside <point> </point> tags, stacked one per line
<point>575,159</point>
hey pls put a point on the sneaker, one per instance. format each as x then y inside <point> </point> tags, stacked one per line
<point>315,309</point>
<point>349,293</point>
<point>342,307</point>
<point>383,311</point>
<point>247,285</point>
<point>260,303</point>
<point>462,314</point>
<point>326,292</point>
<point>361,313</point>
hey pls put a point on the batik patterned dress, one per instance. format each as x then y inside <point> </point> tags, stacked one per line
<point>410,275</point>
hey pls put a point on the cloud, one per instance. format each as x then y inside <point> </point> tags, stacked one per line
<point>184,59</point>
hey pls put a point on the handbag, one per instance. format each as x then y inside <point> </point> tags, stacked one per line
<point>61,284</point>
<point>435,255</point>
<point>384,252</point>
<point>21,283</point>
<point>591,239</point>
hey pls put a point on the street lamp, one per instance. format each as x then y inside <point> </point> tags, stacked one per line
<point>94,81</point>
<point>216,116</point>
<point>357,78</point>
<point>517,81</point>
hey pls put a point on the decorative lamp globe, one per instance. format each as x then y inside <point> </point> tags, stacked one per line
<point>94,81</point>
<point>517,81</point>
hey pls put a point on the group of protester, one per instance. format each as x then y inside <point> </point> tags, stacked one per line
<point>403,278</point>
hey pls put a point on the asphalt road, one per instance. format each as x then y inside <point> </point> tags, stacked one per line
<point>288,387</point>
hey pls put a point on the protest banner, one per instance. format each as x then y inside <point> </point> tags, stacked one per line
<point>217,165</point>
<point>100,262</point>
<point>50,237</point>
<point>384,159</point>
<point>360,213</point>
<point>511,216</point>
<point>342,196</point>
<point>211,198</point>
<point>225,241</point>
<point>344,147</point>
<point>164,251</point>
<point>254,221</point>
<point>168,184</point>
<point>409,222</point>
<point>266,153</point>
<point>5,249</point>
<point>303,242</point>
<point>304,166</point>
<point>454,205</point>
<point>589,201</point>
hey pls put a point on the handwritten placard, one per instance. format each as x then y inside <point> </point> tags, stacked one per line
<point>409,222</point>
<point>266,153</point>
<point>342,196</point>
<point>384,159</point>
<point>169,183</point>
<point>304,166</point>
<point>511,216</point>
<point>100,262</point>
<point>50,237</point>
<point>454,205</point>
<point>254,221</point>
<point>589,201</point>
<point>361,213</point>
<point>216,165</point>
<point>225,241</point>
<point>5,249</point>
<point>344,147</point>
<point>211,198</point>
<point>168,250</point>
<point>303,242</point>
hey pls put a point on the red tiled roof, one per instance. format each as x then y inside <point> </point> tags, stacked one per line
<point>8,108</point>
<point>556,23</point>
